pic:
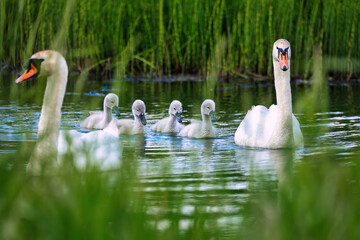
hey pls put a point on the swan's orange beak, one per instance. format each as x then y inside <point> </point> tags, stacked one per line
<point>283,59</point>
<point>29,73</point>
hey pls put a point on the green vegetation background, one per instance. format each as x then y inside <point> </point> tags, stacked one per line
<point>183,36</point>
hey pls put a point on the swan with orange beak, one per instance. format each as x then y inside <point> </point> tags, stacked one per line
<point>99,148</point>
<point>283,57</point>
<point>274,127</point>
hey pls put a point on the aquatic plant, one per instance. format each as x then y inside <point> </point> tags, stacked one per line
<point>167,37</point>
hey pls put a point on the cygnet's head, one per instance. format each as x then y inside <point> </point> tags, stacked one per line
<point>175,109</point>
<point>208,108</point>
<point>112,101</point>
<point>282,54</point>
<point>44,63</point>
<point>138,109</point>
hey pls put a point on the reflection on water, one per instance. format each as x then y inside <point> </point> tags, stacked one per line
<point>214,175</point>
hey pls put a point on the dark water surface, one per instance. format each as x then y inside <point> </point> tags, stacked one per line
<point>213,173</point>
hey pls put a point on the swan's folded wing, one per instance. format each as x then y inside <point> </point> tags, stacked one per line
<point>298,137</point>
<point>195,121</point>
<point>160,125</point>
<point>180,126</point>
<point>251,129</point>
<point>96,148</point>
<point>91,121</point>
<point>191,130</point>
<point>94,112</point>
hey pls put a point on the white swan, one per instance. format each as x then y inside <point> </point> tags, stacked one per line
<point>171,124</point>
<point>275,127</point>
<point>53,65</point>
<point>204,128</point>
<point>100,119</point>
<point>129,126</point>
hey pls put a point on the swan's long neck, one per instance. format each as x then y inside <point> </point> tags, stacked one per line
<point>172,122</point>
<point>137,122</point>
<point>206,123</point>
<point>107,113</point>
<point>49,124</point>
<point>283,98</point>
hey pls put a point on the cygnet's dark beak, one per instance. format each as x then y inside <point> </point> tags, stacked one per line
<point>213,116</point>
<point>117,112</point>
<point>178,117</point>
<point>142,118</point>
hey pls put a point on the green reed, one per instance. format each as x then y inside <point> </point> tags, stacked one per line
<point>180,36</point>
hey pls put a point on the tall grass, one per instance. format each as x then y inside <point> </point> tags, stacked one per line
<point>181,36</point>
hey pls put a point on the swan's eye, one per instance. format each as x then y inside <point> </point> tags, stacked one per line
<point>174,108</point>
<point>282,53</point>
<point>208,107</point>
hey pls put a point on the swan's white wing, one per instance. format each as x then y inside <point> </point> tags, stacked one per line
<point>195,121</point>
<point>257,126</point>
<point>95,112</point>
<point>192,130</point>
<point>160,125</point>
<point>196,130</point>
<point>166,125</point>
<point>93,121</point>
<point>180,126</point>
<point>96,148</point>
<point>298,137</point>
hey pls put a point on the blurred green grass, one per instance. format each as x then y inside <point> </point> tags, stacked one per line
<point>317,198</point>
<point>170,37</point>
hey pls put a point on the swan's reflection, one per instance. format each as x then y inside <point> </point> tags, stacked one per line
<point>275,164</point>
<point>179,155</point>
<point>134,145</point>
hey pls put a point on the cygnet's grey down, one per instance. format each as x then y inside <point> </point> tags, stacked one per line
<point>171,124</point>
<point>204,128</point>
<point>129,126</point>
<point>100,119</point>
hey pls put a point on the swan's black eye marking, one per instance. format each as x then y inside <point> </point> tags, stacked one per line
<point>32,71</point>
<point>174,108</point>
<point>282,52</point>
<point>34,61</point>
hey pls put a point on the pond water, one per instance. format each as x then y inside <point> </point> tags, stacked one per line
<point>214,174</point>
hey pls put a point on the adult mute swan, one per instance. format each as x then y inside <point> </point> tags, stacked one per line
<point>49,140</point>
<point>129,126</point>
<point>171,124</point>
<point>100,119</point>
<point>204,128</point>
<point>277,126</point>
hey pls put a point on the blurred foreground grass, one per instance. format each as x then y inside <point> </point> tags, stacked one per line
<point>317,198</point>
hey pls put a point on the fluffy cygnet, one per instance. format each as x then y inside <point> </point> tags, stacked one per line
<point>100,119</point>
<point>171,124</point>
<point>204,128</point>
<point>129,126</point>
